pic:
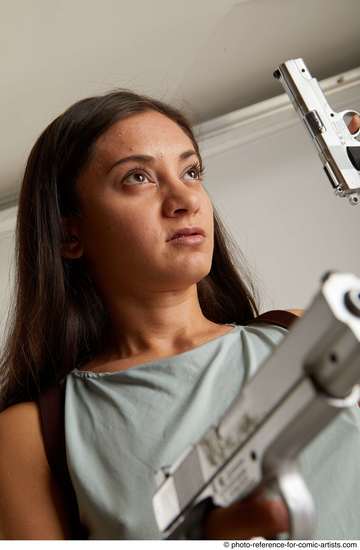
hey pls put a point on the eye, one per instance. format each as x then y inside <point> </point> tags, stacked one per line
<point>196,171</point>
<point>135,177</point>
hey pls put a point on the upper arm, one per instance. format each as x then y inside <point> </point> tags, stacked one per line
<point>31,505</point>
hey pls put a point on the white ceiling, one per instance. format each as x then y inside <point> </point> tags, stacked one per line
<point>208,57</point>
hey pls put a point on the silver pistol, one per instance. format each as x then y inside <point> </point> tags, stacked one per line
<point>338,148</point>
<point>297,391</point>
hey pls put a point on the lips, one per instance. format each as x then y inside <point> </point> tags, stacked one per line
<point>186,231</point>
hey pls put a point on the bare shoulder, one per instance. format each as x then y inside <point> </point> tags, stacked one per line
<point>20,423</point>
<point>21,439</point>
<point>32,505</point>
<point>17,411</point>
<point>298,312</point>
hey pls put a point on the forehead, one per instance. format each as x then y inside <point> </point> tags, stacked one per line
<point>145,133</point>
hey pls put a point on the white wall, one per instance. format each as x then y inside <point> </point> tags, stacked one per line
<point>280,207</point>
<point>267,183</point>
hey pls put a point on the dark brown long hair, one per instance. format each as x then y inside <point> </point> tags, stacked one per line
<point>57,319</point>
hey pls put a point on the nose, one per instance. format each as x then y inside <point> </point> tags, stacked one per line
<point>180,196</point>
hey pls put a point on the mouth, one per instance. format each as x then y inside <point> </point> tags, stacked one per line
<point>187,232</point>
<point>188,239</point>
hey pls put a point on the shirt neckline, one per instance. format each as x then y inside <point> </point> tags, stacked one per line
<point>91,374</point>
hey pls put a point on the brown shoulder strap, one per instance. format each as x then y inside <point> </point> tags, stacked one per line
<point>278,317</point>
<point>52,408</point>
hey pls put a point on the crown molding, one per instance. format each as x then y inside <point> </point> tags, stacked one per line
<point>8,200</point>
<point>257,121</point>
<point>7,220</point>
<point>271,116</point>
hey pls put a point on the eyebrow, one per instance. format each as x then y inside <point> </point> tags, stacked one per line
<point>148,158</point>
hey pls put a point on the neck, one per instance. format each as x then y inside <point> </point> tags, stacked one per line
<point>163,325</point>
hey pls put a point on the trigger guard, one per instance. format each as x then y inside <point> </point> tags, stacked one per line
<point>296,496</point>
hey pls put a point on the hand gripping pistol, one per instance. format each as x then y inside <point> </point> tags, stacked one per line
<point>297,391</point>
<point>338,148</point>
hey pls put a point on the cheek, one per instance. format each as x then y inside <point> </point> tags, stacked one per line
<point>142,236</point>
<point>210,212</point>
<point>129,232</point>
<point>104,228</point>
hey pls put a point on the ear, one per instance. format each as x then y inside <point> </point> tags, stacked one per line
<point>71,246</point>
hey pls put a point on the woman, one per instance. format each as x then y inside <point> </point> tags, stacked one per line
<point>147,329</point>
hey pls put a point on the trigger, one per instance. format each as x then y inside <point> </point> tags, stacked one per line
<point>356,134</point>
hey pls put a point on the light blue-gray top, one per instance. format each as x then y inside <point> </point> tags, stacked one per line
<point>121,427</point>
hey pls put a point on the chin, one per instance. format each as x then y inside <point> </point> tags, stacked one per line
<point>193,276</point>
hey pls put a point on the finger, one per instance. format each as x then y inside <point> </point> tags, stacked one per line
<point>251,517</point>
<point>354,124</point>
<point>265,517</point>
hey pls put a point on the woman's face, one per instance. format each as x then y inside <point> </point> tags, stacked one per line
<point>131,207</point>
